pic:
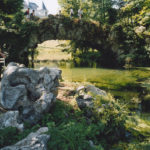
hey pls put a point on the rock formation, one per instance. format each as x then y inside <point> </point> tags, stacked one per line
<point>84,98</point>
<point>28,92</point>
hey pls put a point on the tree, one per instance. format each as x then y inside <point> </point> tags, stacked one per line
<point>99,10</point>
<point>15,32</point>
<point>10,6</point>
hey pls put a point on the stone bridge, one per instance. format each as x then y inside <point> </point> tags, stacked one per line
<point>64,28</point>
<point>53,28</point>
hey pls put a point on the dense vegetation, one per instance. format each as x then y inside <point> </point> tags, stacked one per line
<point>128,23</point>
<point>112,125</point>
<point>15,31</point>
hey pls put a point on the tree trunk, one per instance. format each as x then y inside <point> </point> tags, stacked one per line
<point>32,57</point>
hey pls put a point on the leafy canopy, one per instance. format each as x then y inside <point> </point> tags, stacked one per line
<point>10,6</point>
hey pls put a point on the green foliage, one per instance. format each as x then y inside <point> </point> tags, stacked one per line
<point>11,135</point>
<point>10,6</point>
<point>126,17</point>
<point>8,132</point>
<point>69,129</point>
<point>15,31</point>
<point>72,135</point>
<point>83,55</point>
<point>99,10</point>
<point>136,14</point>
<point>146,103</point>
<point>18,19</point>
<point>15,38</point>
<point>67,5</point>
<point>112,115</point>
<point>130,46</point>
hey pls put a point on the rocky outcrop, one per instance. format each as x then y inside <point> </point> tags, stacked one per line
<point>34,141</point>
<point>30,92</point>
<point>85,98</point>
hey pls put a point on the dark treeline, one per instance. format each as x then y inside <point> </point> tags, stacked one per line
<point>128,24</point>
<point>15,31</point>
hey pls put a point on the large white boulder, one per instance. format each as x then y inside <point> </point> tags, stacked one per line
<point>31,92</point>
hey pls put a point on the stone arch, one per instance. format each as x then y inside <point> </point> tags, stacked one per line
<point>63,28</point>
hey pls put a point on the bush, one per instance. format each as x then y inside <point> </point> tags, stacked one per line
<point>72,136</point>
<point>112,115</point>
<point>70,130</point>
<point>8,136</point>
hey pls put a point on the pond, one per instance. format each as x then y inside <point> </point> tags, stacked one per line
<point>122,84</point>
<point>125,85</point>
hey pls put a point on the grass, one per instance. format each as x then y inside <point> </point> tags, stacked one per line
<point>70,129</point>
<point>50,50</point>
<point>139,124</point>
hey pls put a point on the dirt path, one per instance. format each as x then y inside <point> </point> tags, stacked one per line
<point>66,91</point>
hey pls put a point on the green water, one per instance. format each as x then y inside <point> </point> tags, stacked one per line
<point>122,84</point>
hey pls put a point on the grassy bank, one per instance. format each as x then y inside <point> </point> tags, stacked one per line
<point>71,129</point>
<point>51,50</point>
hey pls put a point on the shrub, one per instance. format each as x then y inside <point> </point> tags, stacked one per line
<point>70,130</point>
<point>112,115</point>
<point>8,136</point>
